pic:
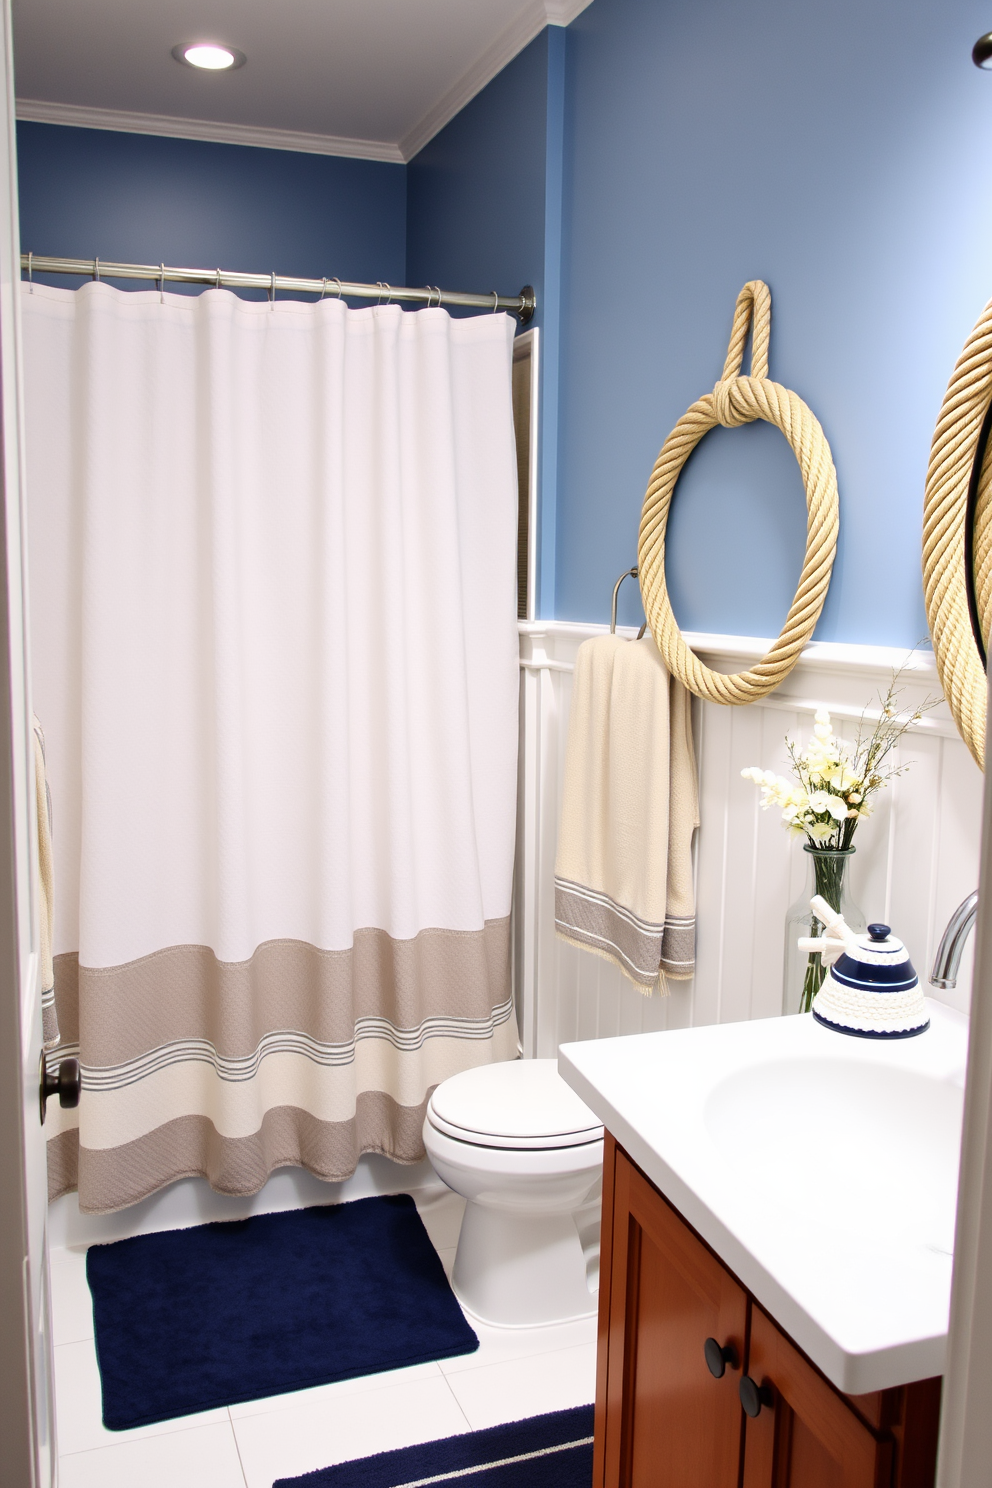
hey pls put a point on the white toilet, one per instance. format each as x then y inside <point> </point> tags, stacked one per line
<point>527,1155</point>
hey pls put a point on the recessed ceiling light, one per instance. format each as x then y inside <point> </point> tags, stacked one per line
<point>209,55</point>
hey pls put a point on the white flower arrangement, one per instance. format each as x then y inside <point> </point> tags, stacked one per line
<point>833,780</point>
<point>828,795</point>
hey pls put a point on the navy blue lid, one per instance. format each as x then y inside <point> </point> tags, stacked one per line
<point>875,976</point>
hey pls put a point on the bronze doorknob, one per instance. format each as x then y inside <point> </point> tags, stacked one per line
<point>66,1083</point>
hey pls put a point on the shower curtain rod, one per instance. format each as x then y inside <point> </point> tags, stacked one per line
<point>521,305</point>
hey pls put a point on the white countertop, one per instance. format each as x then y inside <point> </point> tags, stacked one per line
<point>821,1168</point>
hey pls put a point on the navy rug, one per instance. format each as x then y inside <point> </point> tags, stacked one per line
<point>188,1320</point>
<point>553,1451</point>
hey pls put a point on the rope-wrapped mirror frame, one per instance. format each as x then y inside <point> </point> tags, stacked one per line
<point>737,400</point>
<point>957,537</point>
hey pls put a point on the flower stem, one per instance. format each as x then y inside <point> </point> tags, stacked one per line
<point>828,875</point>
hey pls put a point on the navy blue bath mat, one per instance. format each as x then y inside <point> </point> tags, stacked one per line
<point>188,1320</point>
<point>553,1451</point>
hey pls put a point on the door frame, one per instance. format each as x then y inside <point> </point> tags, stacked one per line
<point>29,1455</point>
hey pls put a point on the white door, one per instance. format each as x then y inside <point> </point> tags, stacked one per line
<point>27,1454</point>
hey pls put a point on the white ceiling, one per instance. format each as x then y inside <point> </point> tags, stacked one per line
<point>372,78</point>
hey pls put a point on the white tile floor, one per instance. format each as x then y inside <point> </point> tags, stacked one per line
<point>515,1372</point>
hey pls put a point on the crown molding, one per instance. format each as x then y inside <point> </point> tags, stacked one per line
<point>563,12</point>
<point>529,23</point>
<point>532,20</point>
<point>39,111</point>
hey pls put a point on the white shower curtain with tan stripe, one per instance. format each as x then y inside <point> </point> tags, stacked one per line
<point>272,564</point>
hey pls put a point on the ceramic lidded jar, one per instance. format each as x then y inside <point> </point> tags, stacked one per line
<point>872,990</point>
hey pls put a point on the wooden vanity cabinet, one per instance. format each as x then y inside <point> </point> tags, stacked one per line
<point>664,1420</point>
<point>807,1434</point>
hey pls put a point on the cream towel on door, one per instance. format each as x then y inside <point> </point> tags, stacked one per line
<point>46,892</point>
<point>623,875</point>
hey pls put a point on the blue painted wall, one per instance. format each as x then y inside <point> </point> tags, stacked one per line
<point>476,191</point>
<point>136,198</point>
<point>840,152</point>
<point>637,169</point>
<point>484,211</point>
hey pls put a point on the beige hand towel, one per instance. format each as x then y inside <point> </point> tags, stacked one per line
<point>623,875</point>
<point>50,1024</point>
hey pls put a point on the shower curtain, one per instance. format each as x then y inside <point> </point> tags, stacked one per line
<point>272,565</point>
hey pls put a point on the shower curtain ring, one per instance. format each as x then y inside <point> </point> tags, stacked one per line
<point>96,270</point>
<point>340,288</point>
<point>218,285</point>
<point>323,289</point>
<point>272,291</point>
<point>161,283</point>
<point>495,295</point>
<point>31,271</point>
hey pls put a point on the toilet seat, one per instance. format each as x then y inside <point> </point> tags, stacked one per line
<point>526,1155</point>
<point>518,1105</point>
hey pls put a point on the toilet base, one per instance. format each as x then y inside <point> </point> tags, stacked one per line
<point>521,1270</point>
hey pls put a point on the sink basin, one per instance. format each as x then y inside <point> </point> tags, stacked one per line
<point>866,1150</point>
<point>821,1169</point>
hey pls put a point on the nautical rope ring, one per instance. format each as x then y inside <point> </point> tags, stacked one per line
<point>739,400</point>
<point>959,475</point>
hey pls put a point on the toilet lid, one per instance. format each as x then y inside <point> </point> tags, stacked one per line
<point>520,1103</point>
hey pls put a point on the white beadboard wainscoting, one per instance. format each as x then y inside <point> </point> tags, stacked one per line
<point>917,856</point>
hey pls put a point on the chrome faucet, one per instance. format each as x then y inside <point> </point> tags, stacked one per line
<point>948,957</point>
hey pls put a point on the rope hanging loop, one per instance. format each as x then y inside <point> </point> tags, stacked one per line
<point>737,399</point>
<point>945,579</point>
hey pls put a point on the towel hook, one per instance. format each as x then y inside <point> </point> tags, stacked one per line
<point>631,573</point>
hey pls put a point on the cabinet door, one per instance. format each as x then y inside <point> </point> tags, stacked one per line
<point>805,1435</point>
<point>669,1423</point>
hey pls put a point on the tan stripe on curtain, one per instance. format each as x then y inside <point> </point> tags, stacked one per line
<point>181,1031</point>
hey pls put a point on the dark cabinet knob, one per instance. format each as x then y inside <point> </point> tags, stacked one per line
<point>718,1357</point>
<point>66,1083</point>
<point>753,1396</point>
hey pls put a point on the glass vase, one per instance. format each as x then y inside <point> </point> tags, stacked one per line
<point>827,875</point>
